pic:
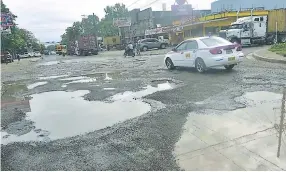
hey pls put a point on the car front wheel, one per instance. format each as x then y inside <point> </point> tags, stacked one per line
<point>145,48</point>
<point>200,65</point>
<point>169,64</point>
<point>228,67</point>
<point>163,46</point>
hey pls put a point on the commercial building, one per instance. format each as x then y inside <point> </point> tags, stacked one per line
<point>148,23</point>
<point>236,5</point>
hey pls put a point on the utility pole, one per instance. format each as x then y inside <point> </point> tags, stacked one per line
<point>281,125</point>
<point>95,30</point>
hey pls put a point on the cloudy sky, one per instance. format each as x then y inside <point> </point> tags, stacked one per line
<point>47,19</point>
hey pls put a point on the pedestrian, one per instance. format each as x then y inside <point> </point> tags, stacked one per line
<point>18,57</point>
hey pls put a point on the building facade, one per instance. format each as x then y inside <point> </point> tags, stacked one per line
<point>235,5</point>
<point>146,20</point>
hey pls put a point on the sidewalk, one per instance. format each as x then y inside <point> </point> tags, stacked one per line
<point>18,65</point>
<point>269,56</point>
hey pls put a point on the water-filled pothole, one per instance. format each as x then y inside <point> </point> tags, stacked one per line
<point>231,140</point>
<point>65,114</point>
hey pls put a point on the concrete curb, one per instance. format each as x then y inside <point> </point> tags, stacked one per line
<point>262,58</point>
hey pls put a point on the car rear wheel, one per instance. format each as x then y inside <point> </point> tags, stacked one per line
<point>200,65</point>
<point>145,48</point>
<point>169,64</point>
<point>228,67</point>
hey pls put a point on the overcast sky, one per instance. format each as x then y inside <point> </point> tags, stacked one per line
<point>47,19</point>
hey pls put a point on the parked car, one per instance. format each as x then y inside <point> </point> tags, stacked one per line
<point>37,54</point>
<point>25,55</point>
<point>150,43</point>
<point>203,53</point>
<point>6,57</point>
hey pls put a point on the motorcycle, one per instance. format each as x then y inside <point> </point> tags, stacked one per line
<point>129,52</point>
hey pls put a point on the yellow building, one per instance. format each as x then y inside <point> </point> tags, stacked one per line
<point>213,23</point>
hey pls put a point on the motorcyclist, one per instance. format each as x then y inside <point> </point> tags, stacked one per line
<point>129,48</point>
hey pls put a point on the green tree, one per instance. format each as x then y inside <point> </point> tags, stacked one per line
<point>19,39</point>
<point>111,12</point>
<point>116,11</point>
<point>51,48</point>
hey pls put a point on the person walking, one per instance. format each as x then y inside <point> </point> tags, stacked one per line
<point>18,57</point>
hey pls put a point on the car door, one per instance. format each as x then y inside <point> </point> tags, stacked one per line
<point>178,55</point>
<point>190,54</point>
<point>148,43</point>
<point>156,43</point>
<point>151,43</point>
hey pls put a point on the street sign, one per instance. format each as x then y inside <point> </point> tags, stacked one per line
<point>153,31</point>
<point>122,22</point>
<point>6,20</point>
<point>182,10</point>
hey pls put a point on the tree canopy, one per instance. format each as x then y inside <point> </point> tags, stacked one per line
<point>20,38</point>
<point>91,24</point>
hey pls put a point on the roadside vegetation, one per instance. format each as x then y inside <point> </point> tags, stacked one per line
<point>279,49</point>
<point>20,38</point>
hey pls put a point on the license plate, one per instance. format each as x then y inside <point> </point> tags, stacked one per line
<point>228,51</point>
<point>231,58</point>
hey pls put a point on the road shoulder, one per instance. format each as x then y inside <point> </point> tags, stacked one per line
<point>268,56</point>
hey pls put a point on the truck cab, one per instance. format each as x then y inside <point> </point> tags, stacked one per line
<point>248,30</point>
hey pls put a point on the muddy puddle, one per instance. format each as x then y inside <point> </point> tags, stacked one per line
<point>78,80</point>
<point>34,85</point>
<point>243,139</point>
<point>61,114</point>
<point>129,95</point>
<point>52,77</point>
<point>49,63</point>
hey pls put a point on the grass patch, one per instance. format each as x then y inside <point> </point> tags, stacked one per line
<point>279,49</point>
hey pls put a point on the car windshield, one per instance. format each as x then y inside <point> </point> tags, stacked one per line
<point>236,26</point>
<point>214,41</point>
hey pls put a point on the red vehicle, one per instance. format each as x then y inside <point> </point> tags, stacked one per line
<point>87,45</point>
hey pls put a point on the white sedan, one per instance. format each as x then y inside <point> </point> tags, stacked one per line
<point>203,53</point>
<point>37,54</point>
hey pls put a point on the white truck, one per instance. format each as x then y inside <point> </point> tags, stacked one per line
<point>259,29</point>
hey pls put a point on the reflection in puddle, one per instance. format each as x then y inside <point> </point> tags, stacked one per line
<point>66,114</point>
<point>52,77</point>
<point>108,88</point>
<point>31,86</point>
<point>129,95</point>
<point>31,136</point>
<point>217,128</point>
<point>74,78</point>
<point>85,80</point>
<point>49,63</point>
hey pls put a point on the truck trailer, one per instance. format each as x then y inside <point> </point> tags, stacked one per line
<point>87,45</point>
<point>268,29</point>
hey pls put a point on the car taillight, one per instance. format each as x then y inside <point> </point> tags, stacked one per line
<point>215,51</point>
<point>239,48</point>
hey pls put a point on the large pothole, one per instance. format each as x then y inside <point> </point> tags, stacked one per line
<point>242,139</point>
<point>60,114</point>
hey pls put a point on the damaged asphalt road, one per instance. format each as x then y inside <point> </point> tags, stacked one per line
<point>112,113</point>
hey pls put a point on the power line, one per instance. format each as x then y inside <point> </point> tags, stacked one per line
<point>151,3</point>
<point>135,2</point>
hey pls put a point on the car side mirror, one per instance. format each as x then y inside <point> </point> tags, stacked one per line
<point>174,49</point>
